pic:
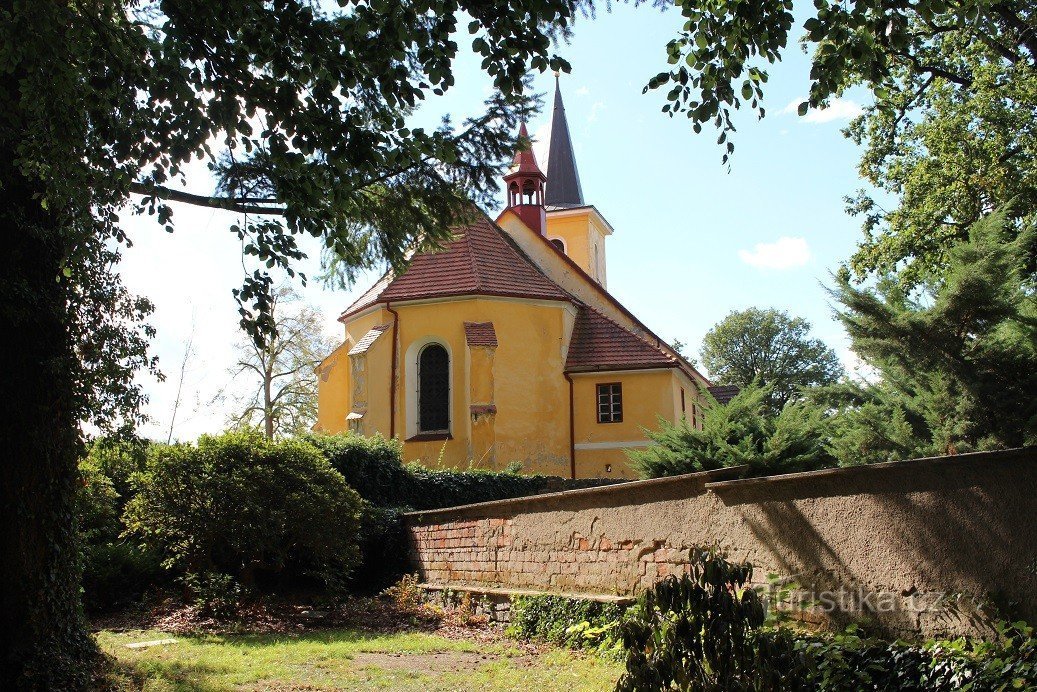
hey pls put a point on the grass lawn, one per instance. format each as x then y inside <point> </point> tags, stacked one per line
<point>348,660</point>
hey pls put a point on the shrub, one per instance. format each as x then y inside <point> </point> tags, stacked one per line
<point>382,540</point>
<point>115,571</point>
<point>573,622</point>
<point>739,432</point>
<point>119,461</point>
<point>696,631</point>
<point>118,572</point>
<point>373,466</point>
<point>704,631</point>
<point>237,504</point>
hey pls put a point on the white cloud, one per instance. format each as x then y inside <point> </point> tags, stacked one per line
<point>583,91</point>
<point>784,253</point>
<point>595,109</point>
<point>838,109</point>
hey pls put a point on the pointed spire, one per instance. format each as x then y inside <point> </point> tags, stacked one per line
<point>563,186</point>
<point>525,161</point>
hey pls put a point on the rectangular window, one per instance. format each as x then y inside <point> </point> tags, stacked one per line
<point>610,403</point>
<point>683,409</point>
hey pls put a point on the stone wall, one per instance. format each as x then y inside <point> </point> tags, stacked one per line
<point>931,546</point>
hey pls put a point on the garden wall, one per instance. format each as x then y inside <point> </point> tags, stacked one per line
<point>931,546</point>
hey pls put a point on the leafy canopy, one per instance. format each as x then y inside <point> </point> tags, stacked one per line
<point>718,58</point>
<point>771,348</point>
<point>948,152</point>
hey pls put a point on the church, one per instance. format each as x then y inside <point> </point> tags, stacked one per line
<point>506,346</point>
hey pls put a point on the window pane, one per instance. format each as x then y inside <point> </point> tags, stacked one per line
<point>433,389</point>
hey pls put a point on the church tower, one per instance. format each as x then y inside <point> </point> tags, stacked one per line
<point>525,185</point>
<point>574,227</point>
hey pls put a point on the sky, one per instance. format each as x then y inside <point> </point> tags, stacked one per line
<point>693,241</point>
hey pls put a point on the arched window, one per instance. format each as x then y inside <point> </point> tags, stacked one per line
<point>433,389</point>
<point>558,243</point>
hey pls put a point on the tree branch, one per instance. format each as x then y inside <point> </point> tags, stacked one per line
<point>243,205</point>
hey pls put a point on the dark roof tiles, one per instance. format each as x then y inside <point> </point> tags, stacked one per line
<point>480,334</point>
<point>480,260</point>
<point>598,343</point>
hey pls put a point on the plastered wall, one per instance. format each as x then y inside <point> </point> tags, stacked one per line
<point>935,546</point>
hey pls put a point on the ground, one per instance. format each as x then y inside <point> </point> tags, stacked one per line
<point>304,653</point>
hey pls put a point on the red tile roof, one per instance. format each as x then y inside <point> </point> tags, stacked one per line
<point>598,343</point>
<point>723,393</point>
<point>480,334</point>
<point>480,260</point>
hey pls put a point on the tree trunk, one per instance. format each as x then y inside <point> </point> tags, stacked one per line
<point>268,406</point>
<point>42,632</point>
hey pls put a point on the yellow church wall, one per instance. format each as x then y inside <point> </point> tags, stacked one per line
<point>528,389</point>
<point>333,390</point>
<point>563,274</point>
<point>337,385</point>
<point>573,232</point>
<point>647,395</point>
<point>584,238</point>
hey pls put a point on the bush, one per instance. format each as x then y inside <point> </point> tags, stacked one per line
<point>373,466</point>
<point>705,631</point>
<point>574,622</point>
<point>739,432</point>
<point>115,571</point>
<point>382,539</point>
<point>239,505</point>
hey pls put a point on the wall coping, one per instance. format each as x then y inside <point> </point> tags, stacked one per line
<point>866,470</point>
<point>700,479</point>
<point>726,479</point>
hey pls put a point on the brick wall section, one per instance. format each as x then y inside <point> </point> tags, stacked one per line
<point>485,551</point>
<point>941,539</point>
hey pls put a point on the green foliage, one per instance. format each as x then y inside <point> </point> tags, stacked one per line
<point>115,570</point>
<point>743,431</point>
<point>707,631</point>
<point>770,348</point>
<point>957,359</point>
<point>215,594</point>
<point>238,504</point>
<point>697,631</point>
<point>577,623</point>
<point>373,466</point>
<point>963,149</point>
<point>384,548</point>
<point>118,460</point>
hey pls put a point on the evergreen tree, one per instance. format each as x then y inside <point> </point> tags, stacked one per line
<point>743,431</point>
<point>958,357</point>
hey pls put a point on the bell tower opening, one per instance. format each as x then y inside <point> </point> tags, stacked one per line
<point>525,184</point>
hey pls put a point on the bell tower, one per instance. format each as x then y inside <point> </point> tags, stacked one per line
<point>525,185</point>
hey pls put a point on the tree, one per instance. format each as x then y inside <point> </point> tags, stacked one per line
<point>950,133</point>
<point>306,106</point>
<point>895,50</point>
<point>958,356</point>
<point>771,348</point>
<point>960,153</point>
<point>742,431</point>
<point>282,396</point>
